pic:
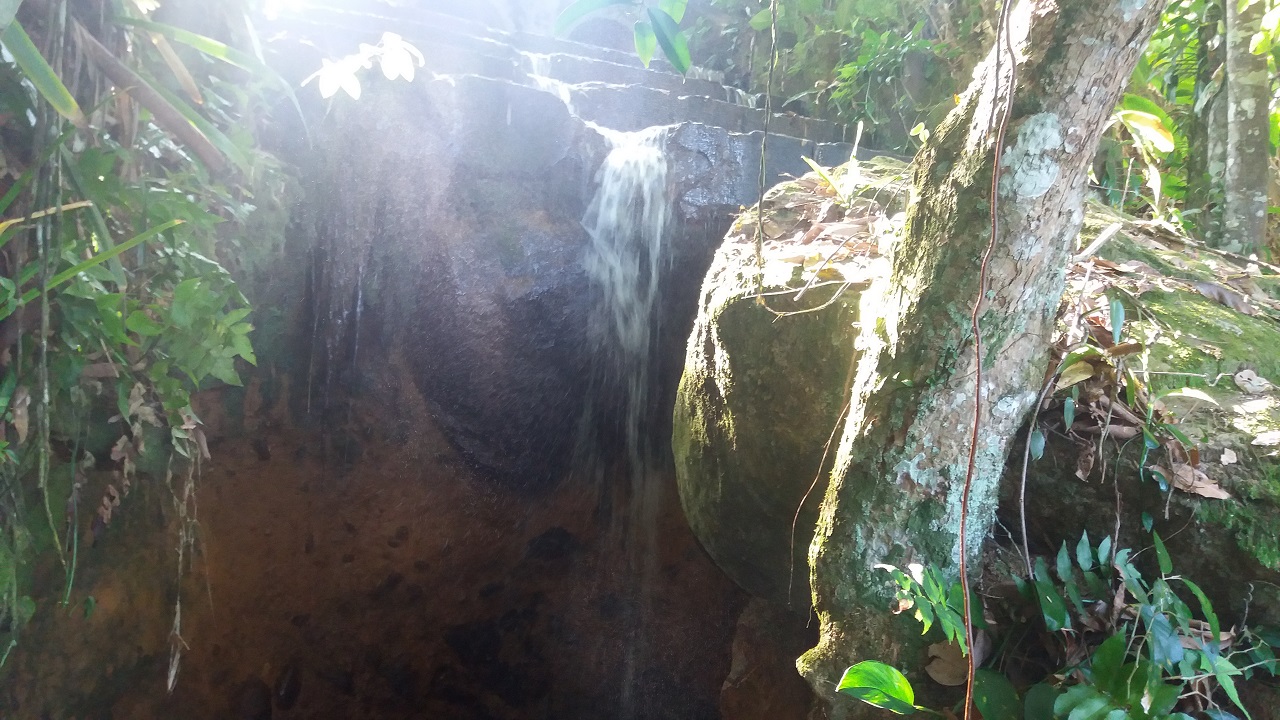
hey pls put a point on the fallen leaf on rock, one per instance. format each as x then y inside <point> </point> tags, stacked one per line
<point>1229,457</point>
<point>1226,297</point>
<point>947,665</point>
<point>1250,382</point>
<point>1191,480</point>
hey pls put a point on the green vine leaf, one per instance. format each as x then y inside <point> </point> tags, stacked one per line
<point>646,41</point>
<point>671,39</point>
<point>879,685</point>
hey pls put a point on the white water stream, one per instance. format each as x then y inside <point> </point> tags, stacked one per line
<point>627,221</point>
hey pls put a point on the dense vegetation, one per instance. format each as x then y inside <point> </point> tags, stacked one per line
<point>132,190</point>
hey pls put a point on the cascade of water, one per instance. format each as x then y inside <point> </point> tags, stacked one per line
<point>540,75</point>
<point>627,222</point>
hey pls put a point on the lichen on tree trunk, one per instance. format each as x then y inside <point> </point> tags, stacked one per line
<point>895,492</point>
<point>1248,131</point>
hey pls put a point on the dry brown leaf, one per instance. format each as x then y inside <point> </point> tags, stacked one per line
<point>21,420</point>
<point>1125,349</point>
<point>1084,461</point>
<point>1226,297</point>
<point>1192,480</point>
<point>100,370</point>
<point>947,665</point>
<point>1077,373</point>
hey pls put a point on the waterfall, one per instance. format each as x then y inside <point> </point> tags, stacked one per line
<point>540,75</point>
<point>627,222</point>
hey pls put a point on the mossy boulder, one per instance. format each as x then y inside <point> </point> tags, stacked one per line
<point>764,388</point>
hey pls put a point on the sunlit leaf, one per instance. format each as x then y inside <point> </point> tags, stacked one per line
<point>761,20</point>
<point>40,74</point>
<point>1194,394</point>
<point>879,685</point>
<point>674,8</point>
<point>646,41</point>
<point>8,9</point>
<point>1148,130</point>
<point>671,40</point>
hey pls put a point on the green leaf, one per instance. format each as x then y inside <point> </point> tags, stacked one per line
<point>879,685</point>
<point>1162,555</point>
<point>140,323</point>
<point>1117,320</point>
<point>1084,553</point>
<point>761,20</point>
<point>40,75</point>
<point>1206,609</point>
<point>1223,671</point>
<point>1166,648</point>
<point>674,8</point>
<point>1147,521</point>
<point>1069,412</point>
<point>1038,703</point>
<point>1063,563</point>
<point>100,258</point>
<point>574,14</point>
<point>206,45</point>
<point>671,40</point>
<point>646,41</point>
<point>1052,606</point>
<point>994,695</point>
<point>8,9</point>
<point>1082,702</point>
<point>1108,662</point>
<point>1036,444</point>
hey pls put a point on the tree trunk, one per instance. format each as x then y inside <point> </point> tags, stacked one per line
<point>895,493</point>
<point>1207,152</point>
<point>1248,132</point>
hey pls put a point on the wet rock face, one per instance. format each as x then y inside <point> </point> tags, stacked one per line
<point>455,242</point>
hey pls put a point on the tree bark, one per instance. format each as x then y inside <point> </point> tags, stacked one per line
<point>1207,151</point>
<point>1248,132</point>
<point>895,493</point>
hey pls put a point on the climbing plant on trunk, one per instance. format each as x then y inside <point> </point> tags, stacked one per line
<point>896,491</point>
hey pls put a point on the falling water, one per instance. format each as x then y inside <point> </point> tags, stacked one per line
<point>627,222</point>
<point>540,75</point>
